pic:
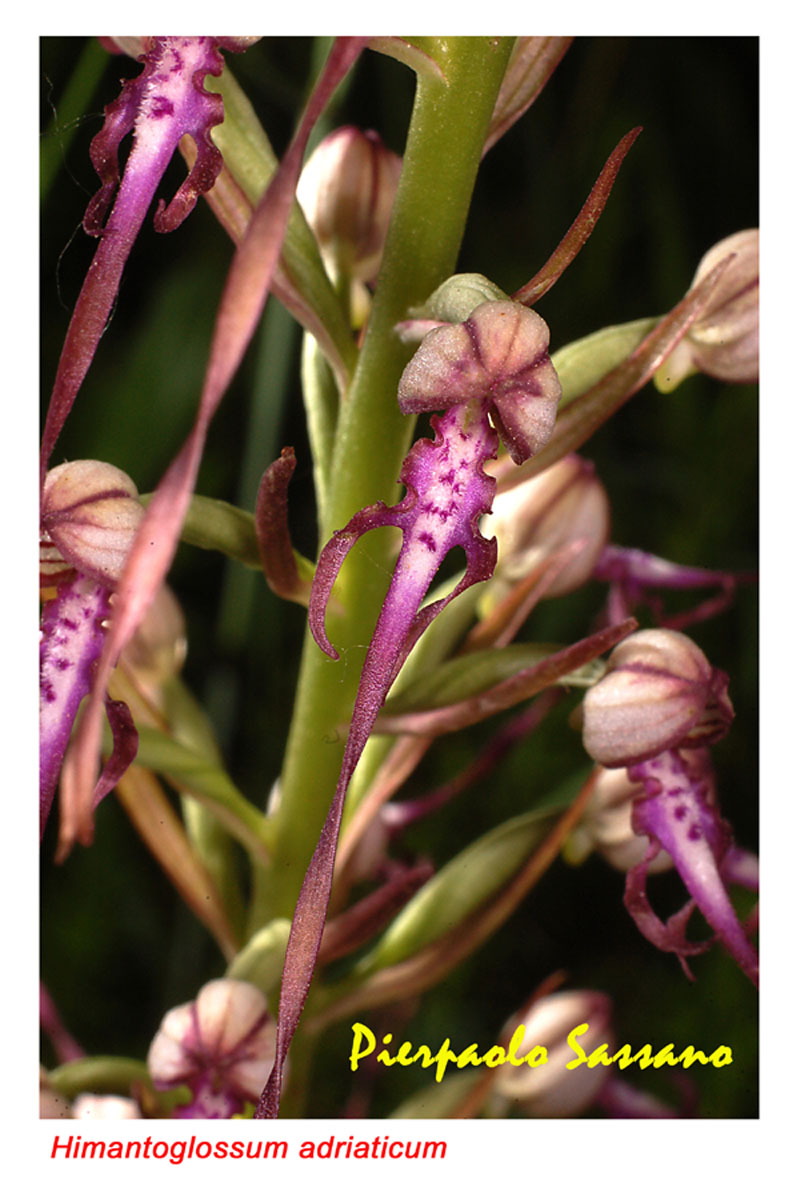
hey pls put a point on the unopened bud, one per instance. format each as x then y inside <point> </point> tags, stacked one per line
<point>90,514</point>
<point>458,297</point>
<point>346,191</point>
<point>104,1106</point>
<point>723,339</point>
<point>157,650</point>
<point>659,693</point>
<point>546,1088</point>
<point>606,828</point>
<point>221,1046</point>
<point>564,504</point>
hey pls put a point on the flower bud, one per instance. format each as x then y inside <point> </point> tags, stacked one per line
<point>659,693</point>
<point>104,1106</point>
<point>548,1089</point>
<point>90,514</point>
<point>346,191</point>
<point>458,297</point>
<point>537,517</point>
<point>605,826</point>
<point>723,339</point>
<point>157,649</point>
<point>221,1046</point>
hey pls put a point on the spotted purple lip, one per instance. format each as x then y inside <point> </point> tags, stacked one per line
<point>164,102</point>
<point>677,813</point>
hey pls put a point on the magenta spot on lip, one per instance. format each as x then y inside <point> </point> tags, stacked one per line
<point>428,540</point>
<point>679,813</point>
<point>161,107</point>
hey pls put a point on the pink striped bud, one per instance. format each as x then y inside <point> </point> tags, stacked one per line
<point>723,339</point>
<point>565,504</point>
<point>659,693</point>
<point>346,191</point>
<point>90,514</point>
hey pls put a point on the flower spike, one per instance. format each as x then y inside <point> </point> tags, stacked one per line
<point>494,363</point>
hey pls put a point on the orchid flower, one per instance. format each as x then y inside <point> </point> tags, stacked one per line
<point>491,368</point>
<point>166,101</point>
<point>90,513</point>
<point>659,699</point>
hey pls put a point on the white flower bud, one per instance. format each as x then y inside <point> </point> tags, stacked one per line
<point>90,514</point>
<point>659,692</point>
<point>222,1046</point>
<point>157,649</point>
<point>723,339</point>
<point>605,826</point>
<point>550,1090</point>
<point>564,504</point>
<point>346,191</point>
<point>104,1106</point>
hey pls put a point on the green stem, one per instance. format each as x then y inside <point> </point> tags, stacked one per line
<point>321,398</point>
<point>443,151</point>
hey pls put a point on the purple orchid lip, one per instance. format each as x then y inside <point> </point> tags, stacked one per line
<point>637,577</point>
<point>678,814</point>
<point>166,101</point>
<point>72,640</point>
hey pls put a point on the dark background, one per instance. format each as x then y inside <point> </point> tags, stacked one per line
<point>118,947</point>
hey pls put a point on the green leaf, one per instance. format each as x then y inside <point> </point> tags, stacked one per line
<point>581,364</point>
<point>440,1100</point>
<point>207,782</point>
<point>473,673</point>
<point>219,526</point>
<point>462,887</point>
<point>98,1075</point>
<point>114,1075</point>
